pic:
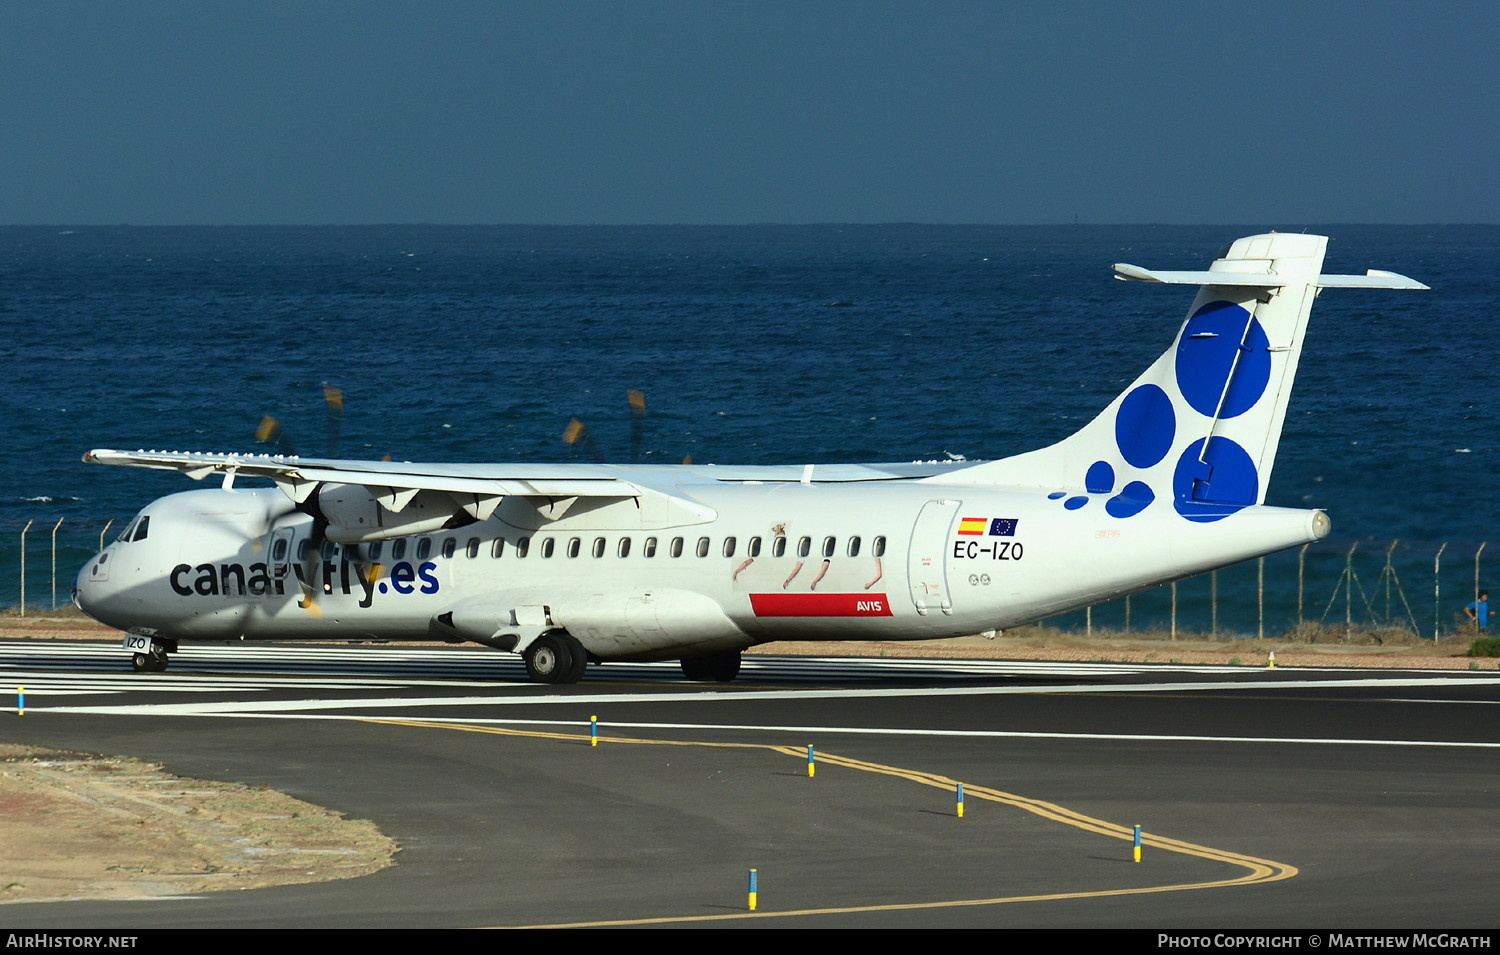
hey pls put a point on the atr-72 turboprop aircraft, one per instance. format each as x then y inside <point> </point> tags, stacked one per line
<point>572,563</point>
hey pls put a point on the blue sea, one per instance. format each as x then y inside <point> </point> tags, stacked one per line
<point>753,344</point>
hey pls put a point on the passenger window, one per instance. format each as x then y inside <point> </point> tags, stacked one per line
<point>624,547</point>
<point>676,549</point>
<point>598,547</point>
<point>398,549</point>
<point>450,546</point>
<point>302,548</point>
<point>804,546</point>
<point>829,545</point>
<point>854,547</point>
<point>375,549</point>
<point>473,549</point>
<point>424,548</point>
<point>752,549</point>
<point>278,549</point>
<point>649,550</point>
<point>729,547</point>
<point>328,549</point>
<point>498,547</point>
<point>877,547</point>
<point>778,547</point>
<point>523,546</point>
<point>547,544</point>
<point>572,547</point>
<point>703,547</point>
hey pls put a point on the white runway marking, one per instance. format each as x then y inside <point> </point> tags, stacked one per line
<point>516,698</point>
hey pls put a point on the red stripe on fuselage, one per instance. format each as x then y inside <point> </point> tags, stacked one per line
<point>820,605</point>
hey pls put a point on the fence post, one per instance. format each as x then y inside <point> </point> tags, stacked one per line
<point>1349,593</point>
<point>54,563</point>
<point>1437,592</point>
<point>1301,562</point>
<point>1088,621</point>
<point>1213,602</point>
<point>1482,546</point>
<point>1174,610</point>
<point>23,566</point>
<point>107,525</point>
<point>1127,613</point>
<point>1260,599</point>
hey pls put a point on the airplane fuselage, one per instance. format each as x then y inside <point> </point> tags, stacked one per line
<point>901,560</point>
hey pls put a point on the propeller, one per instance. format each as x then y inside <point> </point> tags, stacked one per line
<point>271,432</point>
<point>577,433</point>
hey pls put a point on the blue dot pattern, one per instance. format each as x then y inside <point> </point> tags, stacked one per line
<point>1210,485</point>
<point>1206,357</point>
<point>1145,426</point>
<point>1100,479</point>
<point>1213,477</point>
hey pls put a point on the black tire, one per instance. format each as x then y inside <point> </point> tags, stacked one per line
<point>720,667</point>
<point>555,658</point>
<point>153,662</point>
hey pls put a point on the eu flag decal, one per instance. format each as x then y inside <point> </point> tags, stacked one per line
<point>1003,527</point>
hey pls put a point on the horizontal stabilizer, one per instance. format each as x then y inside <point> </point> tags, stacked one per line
<point>1375,278</point>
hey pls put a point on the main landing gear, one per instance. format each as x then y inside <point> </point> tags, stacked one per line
<point>555,658</point>
<point>720,667</point>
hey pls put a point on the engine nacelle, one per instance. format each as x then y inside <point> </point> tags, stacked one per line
<point>357,514</point>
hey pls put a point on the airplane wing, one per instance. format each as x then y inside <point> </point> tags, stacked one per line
<point>298,477</point>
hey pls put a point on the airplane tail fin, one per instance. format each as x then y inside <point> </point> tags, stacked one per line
<point>1198,431</point>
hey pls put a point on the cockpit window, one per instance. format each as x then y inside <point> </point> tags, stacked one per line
<point>135,530</point>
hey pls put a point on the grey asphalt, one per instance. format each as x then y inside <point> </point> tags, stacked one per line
<point>1387,825</point>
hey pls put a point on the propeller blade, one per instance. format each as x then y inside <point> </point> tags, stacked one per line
<point>577,435</point>
<point>637,399</point>
<point>333,396</point>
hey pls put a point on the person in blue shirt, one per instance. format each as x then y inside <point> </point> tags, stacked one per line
<point>1479,610</point>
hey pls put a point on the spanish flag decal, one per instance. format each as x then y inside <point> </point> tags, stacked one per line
<point>973,525</point>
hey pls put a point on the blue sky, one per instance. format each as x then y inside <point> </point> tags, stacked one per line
<point>723,111</point>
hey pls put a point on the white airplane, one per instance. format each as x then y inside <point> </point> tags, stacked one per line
<point>571,563</point>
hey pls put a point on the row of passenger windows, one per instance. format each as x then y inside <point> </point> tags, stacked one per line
<point>599,547</point>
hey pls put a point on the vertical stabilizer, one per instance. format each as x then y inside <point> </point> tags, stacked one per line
<point>1198,431</point>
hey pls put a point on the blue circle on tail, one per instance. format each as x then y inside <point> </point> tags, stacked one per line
<point>1100,478</point>
<point>1145,426</point>
<point>1206,356</point>
<point>1221,483</point>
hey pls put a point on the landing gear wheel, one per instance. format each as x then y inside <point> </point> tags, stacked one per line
<point>153,662</point>
<point>718,667</point>
<point>555,658</point>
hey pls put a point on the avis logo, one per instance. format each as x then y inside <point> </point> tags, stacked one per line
<point>869,606</point>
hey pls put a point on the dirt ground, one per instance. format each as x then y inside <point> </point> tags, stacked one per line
<point>102,827</point>
<point>92,826</point>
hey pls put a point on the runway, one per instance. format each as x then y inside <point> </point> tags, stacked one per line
<point>1267,798</point>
